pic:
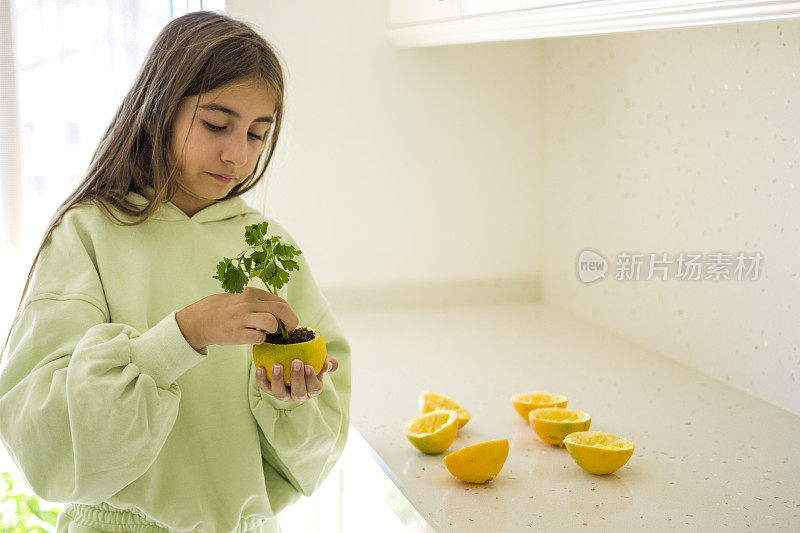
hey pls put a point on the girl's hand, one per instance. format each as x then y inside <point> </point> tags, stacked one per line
<point>231,318</point>
<point>305,384</point>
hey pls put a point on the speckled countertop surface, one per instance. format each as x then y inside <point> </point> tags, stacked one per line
<point>707,455</point>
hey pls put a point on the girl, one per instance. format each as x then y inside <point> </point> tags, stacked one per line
<point>130,390</point>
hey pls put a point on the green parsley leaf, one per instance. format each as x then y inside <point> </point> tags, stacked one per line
<point>233,274</point>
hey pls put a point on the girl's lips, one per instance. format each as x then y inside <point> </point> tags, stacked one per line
<point>222,179</point>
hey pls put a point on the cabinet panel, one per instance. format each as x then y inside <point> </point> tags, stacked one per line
<point>420,11</point>
<point>482,7</point>
<point>427,23</point>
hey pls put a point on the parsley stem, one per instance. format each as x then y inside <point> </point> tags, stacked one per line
<point>285,335</point>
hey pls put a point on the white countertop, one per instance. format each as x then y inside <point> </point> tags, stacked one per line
<point>707,455</point>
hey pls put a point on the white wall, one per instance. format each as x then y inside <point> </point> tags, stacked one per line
<point>423,165</point>
<point>681,140</point>
<point>401,165</point>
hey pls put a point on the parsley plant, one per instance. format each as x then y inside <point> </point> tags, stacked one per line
<point>262,263</point>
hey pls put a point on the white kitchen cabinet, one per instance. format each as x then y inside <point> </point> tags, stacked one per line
<point>417,23</point>
<point>421,11</point>
<point>482,7</point>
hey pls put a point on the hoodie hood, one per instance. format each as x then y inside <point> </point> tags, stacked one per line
<point>224,210</point>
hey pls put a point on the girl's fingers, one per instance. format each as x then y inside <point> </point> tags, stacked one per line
<point>265,322</point>
<point>277,387</point>
<point>263,383</point>
<point>261,380</point>
<point>304,384</point>
<point>268,320</point>
<point>313,383</point>
<point>330,365</point>
<point>334,364</point>
<point>264,314</point>
<point>261,294</point>
<point>298,392</point>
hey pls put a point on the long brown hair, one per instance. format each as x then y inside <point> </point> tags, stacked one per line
<point>192,54</point>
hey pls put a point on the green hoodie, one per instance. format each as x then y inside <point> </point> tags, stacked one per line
<point>105,406</point>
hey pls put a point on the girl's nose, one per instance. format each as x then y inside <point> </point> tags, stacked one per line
<point>235,150</point>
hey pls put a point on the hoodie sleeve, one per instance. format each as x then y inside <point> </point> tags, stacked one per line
<point>301,442</point>
<point>85,405</point>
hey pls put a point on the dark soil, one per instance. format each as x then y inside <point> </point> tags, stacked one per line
<point>297,335</point>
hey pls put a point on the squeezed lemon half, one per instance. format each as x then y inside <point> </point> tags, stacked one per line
<point>598,452</point>
<point>433,432</point>
<point>430,401</point>
<point>525,402</point>
<point>552,424</point>
<point>478,463</point>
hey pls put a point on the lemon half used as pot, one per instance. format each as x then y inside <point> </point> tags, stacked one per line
<point>552,424</point>
<point>525,402</point>
<point>598,452</point>
<point>430,401</point>
<point>310,352</point>
<point>478,463</point>
<point>433,432</point>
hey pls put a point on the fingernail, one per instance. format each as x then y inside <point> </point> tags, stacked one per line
<point>330,365</point>
<point>309,370</point>
<point>297,365</point>
<point>276,369</point>
<point>260,372</point>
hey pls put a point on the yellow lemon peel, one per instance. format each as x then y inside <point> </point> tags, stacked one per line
<point>311,352</point>
<point>598,452</point>
<point>478,463</point>
<point>525,402</point>
<point>430,401</point>
<point>432,432</point>
<point>552,424</point>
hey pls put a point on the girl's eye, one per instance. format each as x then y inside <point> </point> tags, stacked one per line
<point>212,127</point>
